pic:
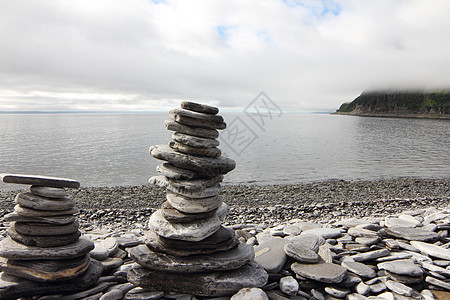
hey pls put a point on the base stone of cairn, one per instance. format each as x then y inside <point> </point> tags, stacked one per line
<point>44,253</point>
<point>187,250</point>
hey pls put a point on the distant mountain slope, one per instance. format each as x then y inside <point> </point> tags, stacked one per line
<point>399,103</point>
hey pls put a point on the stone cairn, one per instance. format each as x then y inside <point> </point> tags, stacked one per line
<point>187,250</point>
<point>43,252</point>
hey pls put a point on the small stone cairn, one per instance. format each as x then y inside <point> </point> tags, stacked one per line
<point>43,252</point>
<point>187,250</point>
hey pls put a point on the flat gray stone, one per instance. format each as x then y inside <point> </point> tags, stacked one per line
<point>192,205</point>
<point>359,269</point>
<point>172,172</point>
<point>195,119</point>
<point>32,201</point>
<point>301,252</point>
<point>207,165</point>
<point>195,184</point>
<point>43,229</point>
<point>191,130</point>
<point>336,291</point>
<point>48,192</point>
<point>432,250</point>
<point>219,261</point>
<point>437,282</point>
<point>211,284</point>
<point>186,149</point>
<point>405,267</point>
<point>192,191</point>
<point>175,216</point>
<point>365,256</point>
<point>200,108</point>
<point>139,293</point>
<point>362,232</point>
<point>326,233</point>
<point>43,241</point>
<point>404,278</point>
<point>99,252</point>
<point>39,180</point>
<point>192,231</point>
<point>411,234</point>
<point>396,222</point>
<point>29,212</point>
<point>270,254</point>
<point>249,294</point>
<point>195,141</point>
<point>310,241</point>
<point>56,220</point>
<point>323,272</point>
<point>46,270</point>
<point>13,250</point>
<point>289,285</point>
<point>399,288</point>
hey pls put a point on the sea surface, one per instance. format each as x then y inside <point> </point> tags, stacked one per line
<point>111,149</point>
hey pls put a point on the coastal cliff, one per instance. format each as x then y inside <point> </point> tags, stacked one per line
<point>400,104</point>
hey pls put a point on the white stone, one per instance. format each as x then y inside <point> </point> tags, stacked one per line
<point>432,250</point>
<point>250,294</point>
<point>289,285</point>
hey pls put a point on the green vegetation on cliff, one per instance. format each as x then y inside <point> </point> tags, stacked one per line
<point>399,103</point>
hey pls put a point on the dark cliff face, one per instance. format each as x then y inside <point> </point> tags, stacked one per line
<point>399,102</point>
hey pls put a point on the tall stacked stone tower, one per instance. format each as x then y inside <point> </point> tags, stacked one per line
<point>187,249</point>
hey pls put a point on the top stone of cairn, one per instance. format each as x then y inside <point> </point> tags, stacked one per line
<point>200,108</point>
<point>39,180</point>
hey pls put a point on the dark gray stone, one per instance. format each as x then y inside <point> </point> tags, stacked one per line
<point>405,267</point>
<point>29,212</point>
<point>192,205</point>
<point>32,201</point>
<point>194,141</point>
<point>359,269</point>
<point>411,234</point>
<point>49,192</point>
<point>43,241</point>
<point>301,252</point>
<point>43,229</point>
<point>56,220</point>
<point>370,255</point>
<point>172,172</point>
<point>195,131</point>
<point>323,272</point>
<point>208,152</point>
<point>270,254</point>
<point>175,216</point>
<point>39,180</point>
<point>193,190</point>
<point>200,108</point>
<point>195,119</point>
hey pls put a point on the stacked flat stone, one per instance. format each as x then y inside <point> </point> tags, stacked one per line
<point>43,243</point>
<point>187,249</point>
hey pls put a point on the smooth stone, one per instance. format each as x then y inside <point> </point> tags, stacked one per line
<point>12,287</point>
<point>222,240</point>
<point>393,256</point>
<point>432,250</point>
<point>99,252</point>
<point>186,149</point>
<point>361,232</point>
<point>326,233</point>
<point>365,256</point>
<point>336,291</point>
<point>191,130</point>
<point>194,141</point>
<point>289,285</point>
<point>56,220</point>
<point>210,284</point>
<point>29,200</point>
<point>411,234</point>
<point>207,165</point>
<point>403,278</point>
<point>43,241</point>
<point>193,205</point>
<point>111,263</point>
<point>311,241</point>
<point>325,253</point>
<point>356,247</point>
<point>39,180</point>
<point>355,296</point>
<point>399,288</point>
<point>111,244</point>
<point>405,267</point>
<point>43,229</point>
<point>172,172</point>
<point>139,293</point>
<point>301,252</point>
<point>292,230</point>
<point>396,222</point>
<point>200,108</point>
<point>362,288</point>
<point>434,268</point>
<point>175,216</point>
<point>410,219</point>
<point>219,261</point>
<point>46,270</point>
<point>195,119</point>
<point>192,231</point>
<point>29,212</point>
<point>13,250</point>
<point>367,241</point>
<point>270,254</point>
<point>322,272</point>
<point>359,269</point>
<point>194,184</point>
<point>250,294</point>
<point>204,192</point>
<point>377,287</point>
<point>49,192</point>
<point>437,282</point>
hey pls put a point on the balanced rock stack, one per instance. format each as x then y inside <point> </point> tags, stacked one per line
<point>187,250</point>
<point>43,243</point>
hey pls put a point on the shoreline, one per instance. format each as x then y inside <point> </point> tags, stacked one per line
<point>384,115</point>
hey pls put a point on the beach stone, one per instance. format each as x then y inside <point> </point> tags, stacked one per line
<point>396,222</point>
<point>359,269</point>
<point>48,270</point>
<point>370,255</point>
<point>200,108</point>
<point>195,141</point>
<point>193,205</point>
<point>207,165</point>
<point>367,241</point>
<point>356,247</point>
<point>310,241</point>
<point>292,230</point>
<point>191,130</point>
<point>205,192</point>
<point>186,149</point>
<point>218,261</point>
<point>172,172</point>
<point>175,216</point>
<point>39,180</point>
<point>442,284</point>
<point>361,232</point>
<point>301,252</point>
<point>434,268</point>
<point>43,241</point>
<point>195,119</point>
<point>325,253</point>
<point>410,219</point>
<point>111,263</point>
<point>362,288</point>
<point>289,285</point>
<point>250,294</point>
<point>377,287</point>
<point>326,233</point>
<point>12,250</point>
<point>432,250</point>
<point>411,234</point>
<point>210,284</point>
<point>399,288</point>
<point>99,252</point>
<point>48,192</point>
<point>270,254</point>
<point>222,240</point>
<point>195,184</point>
<point>29,200</point>
<point>111,244</point>
<point>191,231</point>
<point>403,278</point>
<point>56,220</point>
<point>43,229</point>
<point>405,267</point>
<point>322,272</point>
<point>355,297</point>
<point>139,293</point>
<point>29,212</point>
<point>336,291</point>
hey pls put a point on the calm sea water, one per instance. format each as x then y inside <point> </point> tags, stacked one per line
<point>112,149</point>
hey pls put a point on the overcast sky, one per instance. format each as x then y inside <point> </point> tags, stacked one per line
<point>306,55</point>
